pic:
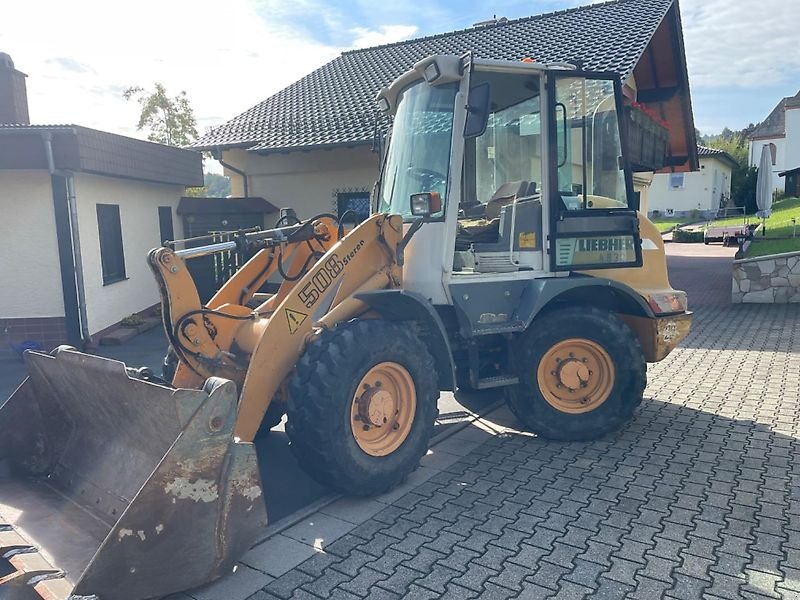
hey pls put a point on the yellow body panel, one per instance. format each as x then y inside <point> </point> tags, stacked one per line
<point>659,336</point>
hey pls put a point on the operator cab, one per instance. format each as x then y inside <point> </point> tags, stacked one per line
<point>526,163</point>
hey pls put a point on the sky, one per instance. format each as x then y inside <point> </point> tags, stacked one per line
<point>228,56</point>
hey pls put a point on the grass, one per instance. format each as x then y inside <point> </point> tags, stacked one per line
<point>666,223</point>
<point>779,225</point>
<point>768,246</point>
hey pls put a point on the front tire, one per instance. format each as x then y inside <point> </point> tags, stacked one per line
<point>582,374</point>
<point>362,406</point>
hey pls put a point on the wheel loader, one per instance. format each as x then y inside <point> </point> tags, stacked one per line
<point>504,250</point>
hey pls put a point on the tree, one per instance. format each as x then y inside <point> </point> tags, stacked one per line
<point>743,176</point>
<point>214,186</point>
<point>169,120</point>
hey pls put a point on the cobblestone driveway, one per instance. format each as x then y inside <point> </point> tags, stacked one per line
<point>698,497</point>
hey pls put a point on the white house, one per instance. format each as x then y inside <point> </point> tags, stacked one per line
<point>780,131</point>
<point>309,146</point>
<point>705,191</point>
<point>79,211</point>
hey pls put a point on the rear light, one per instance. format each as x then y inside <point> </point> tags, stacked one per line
<point>674,301</point>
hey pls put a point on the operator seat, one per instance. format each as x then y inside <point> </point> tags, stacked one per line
<point>482,221</point>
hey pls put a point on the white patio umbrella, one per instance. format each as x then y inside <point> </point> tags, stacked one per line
<point>764,187</point>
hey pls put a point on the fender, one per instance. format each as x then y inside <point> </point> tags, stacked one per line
<point>402,305</point>
<point>510,306</point>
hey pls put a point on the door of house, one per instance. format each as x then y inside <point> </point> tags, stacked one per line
<point>217,219</point>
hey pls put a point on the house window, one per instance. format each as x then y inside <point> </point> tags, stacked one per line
<point>676,181</point>
<point>165,224</point>
<point>112,255</point>
<point>357,203</point>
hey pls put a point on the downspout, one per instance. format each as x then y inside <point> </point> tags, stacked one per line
<point>76,252</point>
<point>217,154</point>
<point>76,240</point>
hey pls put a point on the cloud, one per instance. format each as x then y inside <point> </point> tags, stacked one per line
<point>742,43</point>
<point>69,64</point>
<point>386,34</point>
<point>80,58</point>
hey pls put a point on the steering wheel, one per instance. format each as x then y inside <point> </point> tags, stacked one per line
<point>427,176</point>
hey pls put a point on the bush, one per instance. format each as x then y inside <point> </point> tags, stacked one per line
<point>683,236</point>
<point>132,321</point>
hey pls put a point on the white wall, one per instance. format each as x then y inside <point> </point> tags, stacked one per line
<point>701,189</point>
<point>29,267</point>
<point>778,183</point>
<point>138,204</point>
<point>792,152</point>
<point>305,181</point>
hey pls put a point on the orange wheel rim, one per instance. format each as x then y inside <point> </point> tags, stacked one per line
<point>576,376</point>
<point>383,408</point>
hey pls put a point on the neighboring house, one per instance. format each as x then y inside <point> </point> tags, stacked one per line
<point>310,145</point>
<point>80,210</point>
<point>780,131</point>
<point>700,192</point>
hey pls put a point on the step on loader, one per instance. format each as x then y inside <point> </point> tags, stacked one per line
<point>505,250</point>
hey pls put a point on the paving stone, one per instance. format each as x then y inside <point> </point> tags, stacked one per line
<point>284,585</point>
<point>323,585</point>
<point>511,576</point>
<point>423,560</point>
<point>318,563</point>
<point>363,581</point>
<point>319,530</point>
<point>238,585</point>
<point>278,555</point>
<point>399,581</point>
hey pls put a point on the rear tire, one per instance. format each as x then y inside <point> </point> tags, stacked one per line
<point>330,405</point>
<point>587,348</point>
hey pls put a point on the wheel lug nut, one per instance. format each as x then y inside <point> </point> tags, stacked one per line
<point>396,426</point>
<point>552,372</point>
<point>366,427</point>
<point>378,383</point>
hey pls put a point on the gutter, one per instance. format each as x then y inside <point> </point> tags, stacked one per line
<point>73,240</point>
<point>216,152</point>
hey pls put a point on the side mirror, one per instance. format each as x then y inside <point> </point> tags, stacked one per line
<point>477,110</point>
<point>425,204</point>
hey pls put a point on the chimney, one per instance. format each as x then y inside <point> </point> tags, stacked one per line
<point>13,95</point>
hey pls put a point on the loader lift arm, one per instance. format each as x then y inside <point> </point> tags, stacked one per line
<point>257,347</point>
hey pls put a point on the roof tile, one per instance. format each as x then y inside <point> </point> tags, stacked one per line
<point>334,105</point>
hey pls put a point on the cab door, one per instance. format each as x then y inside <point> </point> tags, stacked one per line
<point>593,208</point>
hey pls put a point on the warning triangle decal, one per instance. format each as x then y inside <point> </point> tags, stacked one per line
<point>295,318</point>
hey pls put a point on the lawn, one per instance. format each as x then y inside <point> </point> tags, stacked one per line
<point>779,225</point>
<point>666,223</point>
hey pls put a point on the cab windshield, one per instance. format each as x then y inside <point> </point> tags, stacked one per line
<point>418,159</point>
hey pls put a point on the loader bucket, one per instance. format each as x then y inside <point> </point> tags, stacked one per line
<point>114,488</point>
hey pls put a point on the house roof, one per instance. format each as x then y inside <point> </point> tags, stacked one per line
<point>787,172</point>
<point>335,106</point>
<point>81,149</point>
<point>706,152</point>
<point>775,124</point>
<point>191,205</point>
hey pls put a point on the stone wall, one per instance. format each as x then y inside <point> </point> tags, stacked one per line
<point>767,279</point>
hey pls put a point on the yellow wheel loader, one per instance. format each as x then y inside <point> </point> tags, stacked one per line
<point>505,250</point>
